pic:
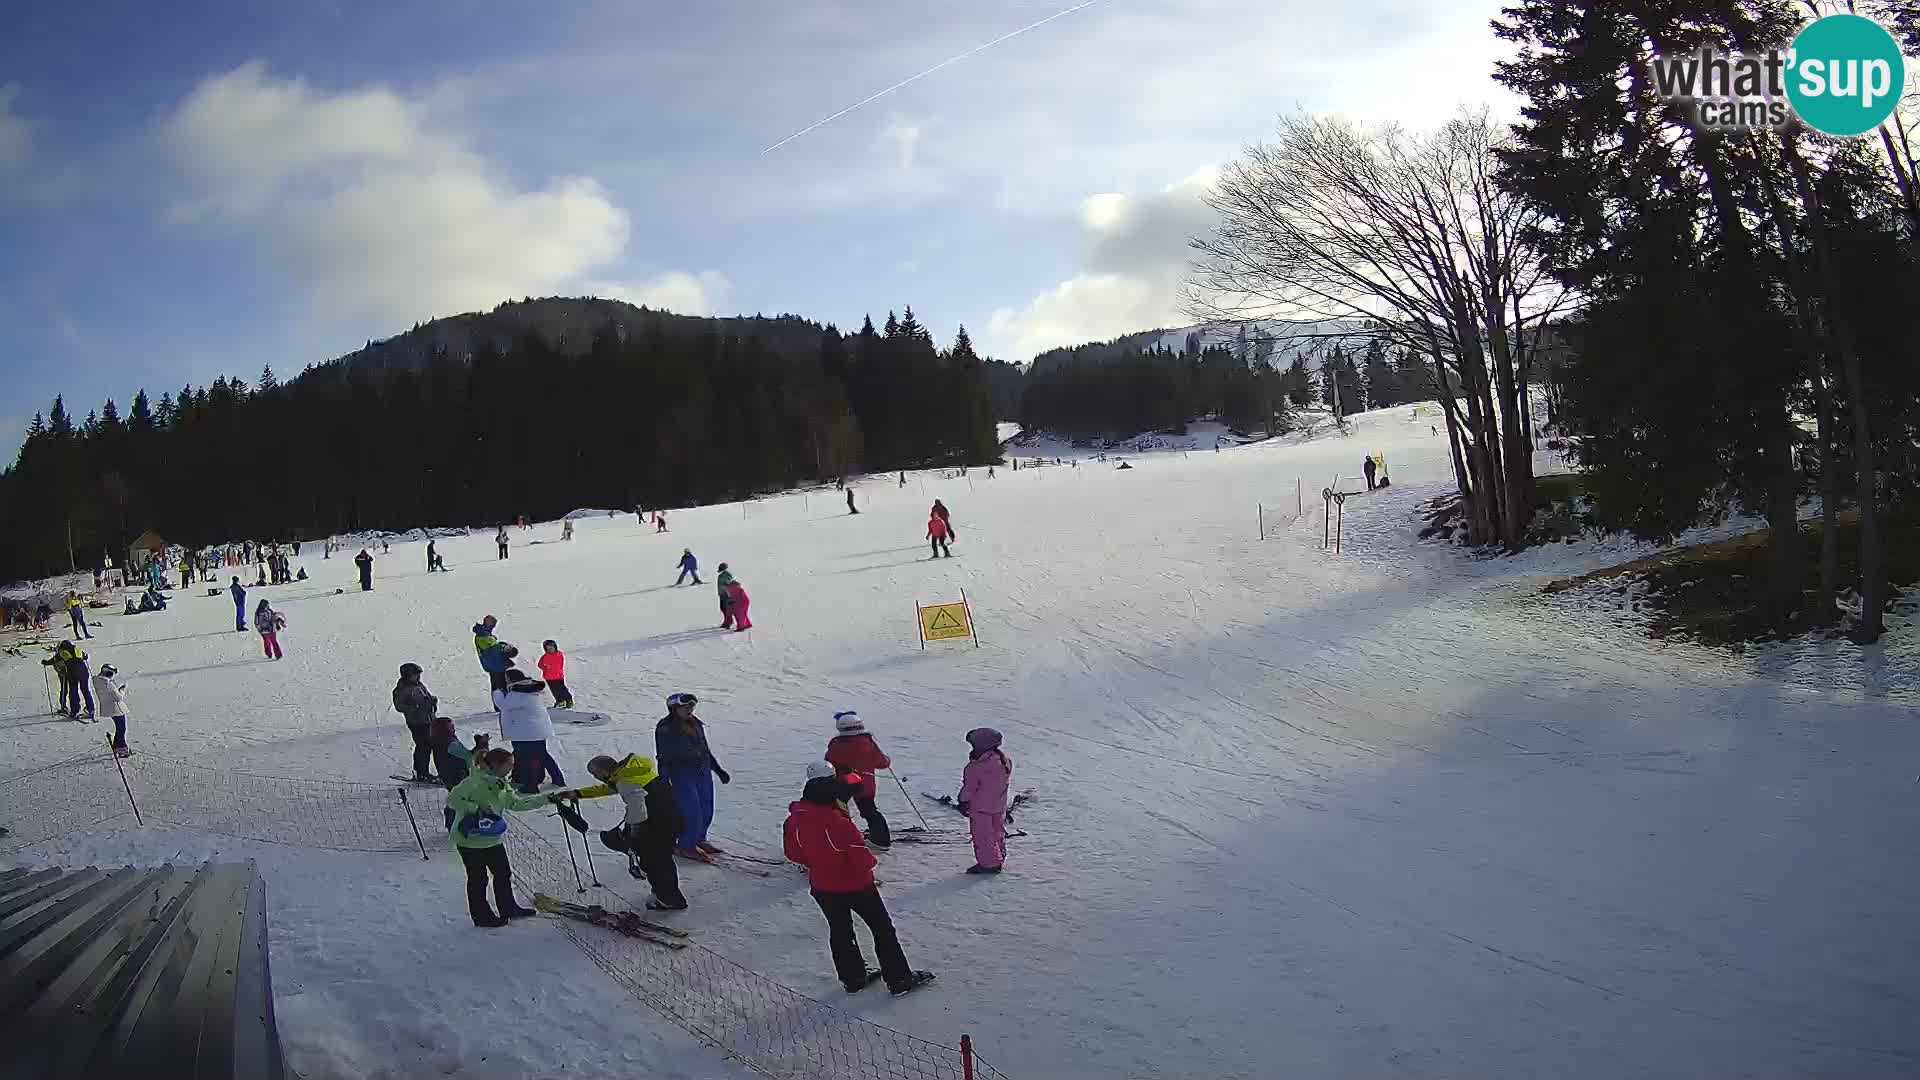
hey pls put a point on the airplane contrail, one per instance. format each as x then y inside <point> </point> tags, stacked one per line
<point>916,78</point>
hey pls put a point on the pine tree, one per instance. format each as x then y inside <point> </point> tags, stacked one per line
<point>267,380</point>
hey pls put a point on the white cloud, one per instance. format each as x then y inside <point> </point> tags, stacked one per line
<point>1134,255</point>
<point>378,209</point>
<point>675,290</point>
<point>15,135</point>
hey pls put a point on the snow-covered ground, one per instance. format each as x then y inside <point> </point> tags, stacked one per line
<point>1385,813</point>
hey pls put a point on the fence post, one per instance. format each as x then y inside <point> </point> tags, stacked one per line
<point>1263,519</point>
<point>137,819</point>
<point>966,1057</point>
<point>408,805</point>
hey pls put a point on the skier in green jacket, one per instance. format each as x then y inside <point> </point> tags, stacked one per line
<point>479,805</point>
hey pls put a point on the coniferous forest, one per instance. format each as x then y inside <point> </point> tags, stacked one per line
<point>655,411</point>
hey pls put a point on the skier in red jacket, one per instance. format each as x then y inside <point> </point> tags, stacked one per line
<point>821,837</point>
<point>852,751</point>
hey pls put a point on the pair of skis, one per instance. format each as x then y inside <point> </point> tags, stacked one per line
<point>620,922</point>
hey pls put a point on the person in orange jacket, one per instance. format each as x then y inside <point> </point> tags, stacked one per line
<point>853,752</point>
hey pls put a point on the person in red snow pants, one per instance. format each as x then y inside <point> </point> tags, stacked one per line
<point>737,607</point>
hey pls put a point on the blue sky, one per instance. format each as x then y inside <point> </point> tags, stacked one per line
<point>194,189</point>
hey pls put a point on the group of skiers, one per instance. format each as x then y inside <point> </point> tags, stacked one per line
<point>98,689</point>
<point>735,604</point>
<point>668,806</point>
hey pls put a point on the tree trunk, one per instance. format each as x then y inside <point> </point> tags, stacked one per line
<point>1824,612</point>
<point>1873,582</point>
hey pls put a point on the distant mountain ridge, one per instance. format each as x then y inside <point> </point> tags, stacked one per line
<point>1276,340</point>
<point>568,325</point>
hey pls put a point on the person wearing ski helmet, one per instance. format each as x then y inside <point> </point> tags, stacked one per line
<point>650,827</point>
<point>680,747</point>
<point>413,701</point>
<point>688,565</point>
<point>112,700</point>
<point>820,836</point>
<point>853,751</point>
<point>983,798</point>
<point>525,722</point>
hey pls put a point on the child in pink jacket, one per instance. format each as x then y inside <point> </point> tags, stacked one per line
<point>983,798</point>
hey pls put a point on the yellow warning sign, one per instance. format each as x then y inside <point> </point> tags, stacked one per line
<point>939,622</point>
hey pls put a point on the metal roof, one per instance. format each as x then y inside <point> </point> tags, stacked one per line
<point>153,973</point>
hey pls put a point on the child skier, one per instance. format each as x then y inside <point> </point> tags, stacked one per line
<point>478,807</point>
<point>721,584</point>
<point>938,533</point>
<point>647,831</point>
<point>821,837</point>
<point>112,700</point>
<point>269,623</point>
<point>737,603</point>
<point>983,798</point>
<point>688,565</point>
<point>853,752</point>
<point>680,746</point>
<point>553,668</point>
<point>450,755</point>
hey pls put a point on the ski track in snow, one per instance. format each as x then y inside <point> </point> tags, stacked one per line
<point>1383,813</point>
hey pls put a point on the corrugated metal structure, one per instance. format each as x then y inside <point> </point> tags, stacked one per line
<point>151,973</point>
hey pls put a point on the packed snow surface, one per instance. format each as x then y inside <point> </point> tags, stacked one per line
<point>1384,813</point>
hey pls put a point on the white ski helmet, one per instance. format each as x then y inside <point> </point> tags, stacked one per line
<point>848,722</point>
<point>820,770</point>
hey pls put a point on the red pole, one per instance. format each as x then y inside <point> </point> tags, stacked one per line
<point>966,1057</point>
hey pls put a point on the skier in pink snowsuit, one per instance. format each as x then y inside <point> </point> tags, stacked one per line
<point>983,797</point>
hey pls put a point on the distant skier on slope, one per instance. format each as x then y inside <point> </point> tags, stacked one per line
<point>851,509</point>
<point>938,532</point>
<point>688,565</point>
<point>1367,465</point>
<point>500,542</point>
<point>820,836</point>
<point>723,584</point>
<point>940,509</point>
<point>364,561</point>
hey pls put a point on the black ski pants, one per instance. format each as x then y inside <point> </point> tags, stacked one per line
<point>877,831</point>
<point>422,749</point>
<point>651,848</point>
<point>940,543</point>
<point>481,862</point>
<point>848,963</point>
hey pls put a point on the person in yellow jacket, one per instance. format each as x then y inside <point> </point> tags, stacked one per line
<point>479,806</point>
<point>652,821</point>
<point>78,613</point>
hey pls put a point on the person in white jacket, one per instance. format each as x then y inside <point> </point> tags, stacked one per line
<point>525,723</point>
<point>111,699</point>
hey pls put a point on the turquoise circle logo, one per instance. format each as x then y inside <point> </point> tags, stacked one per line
<point>1847,75</point>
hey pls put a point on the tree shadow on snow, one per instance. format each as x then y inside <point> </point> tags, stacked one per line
<point>204,667</point>
<point>658,641</point>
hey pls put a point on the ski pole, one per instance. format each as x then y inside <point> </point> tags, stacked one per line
<point>46,683</point>
<point>910,803</point>
<point>579,886</point>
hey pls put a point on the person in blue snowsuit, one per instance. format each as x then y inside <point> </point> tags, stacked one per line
<point>683,757</point>
<point>688,565</point>
<point>239,594</point>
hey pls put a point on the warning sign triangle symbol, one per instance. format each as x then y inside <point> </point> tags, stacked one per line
<point>944,620</point>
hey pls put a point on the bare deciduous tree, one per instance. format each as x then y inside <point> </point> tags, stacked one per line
<point>1411,235</point>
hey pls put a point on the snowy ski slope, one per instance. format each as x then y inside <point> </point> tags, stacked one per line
<point>1380,814</point>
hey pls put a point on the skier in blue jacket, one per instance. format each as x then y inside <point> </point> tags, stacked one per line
<point>495,655</point>
<point>239,594</point>
<point>688,565</point>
